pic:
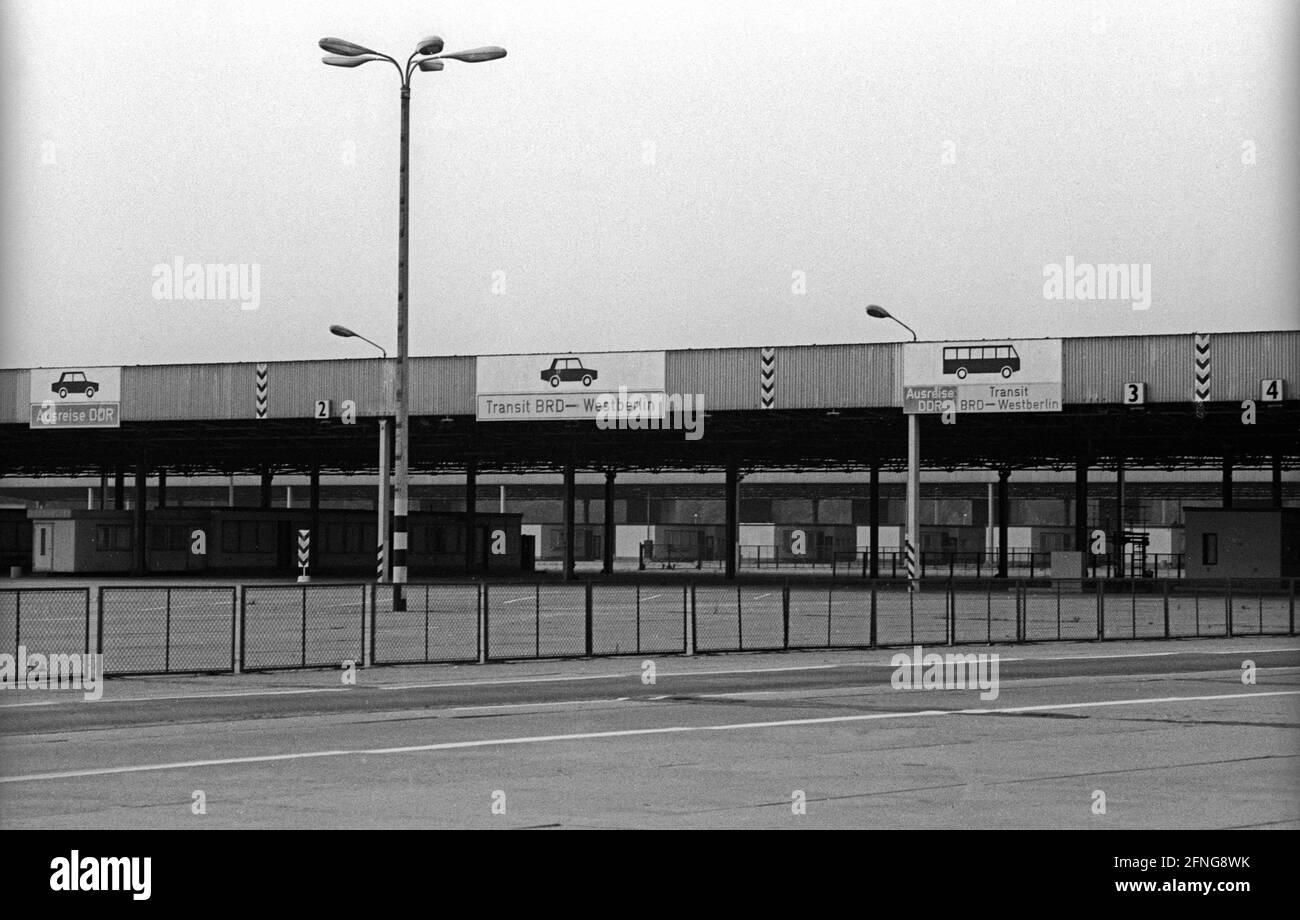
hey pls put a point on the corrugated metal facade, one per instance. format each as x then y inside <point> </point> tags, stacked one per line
<point>185,391</point>
<point>14,397</point>
<point>1096,369</point>
<point>807,376</point>
<point>727,377</point>
<point>442,386</point>
<point>1238,362</point>
<point>840,376</point>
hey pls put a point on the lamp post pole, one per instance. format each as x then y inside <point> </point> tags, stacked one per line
<point>348,54</point>
<point>402,429</point>
<point>912,536</point>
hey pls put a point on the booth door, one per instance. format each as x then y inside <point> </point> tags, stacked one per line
<point>43,548</point>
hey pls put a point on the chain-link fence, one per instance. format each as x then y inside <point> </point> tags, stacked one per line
<point>440,624</point>
<point>536,621</point>
<point>170,628</point>
<point>46,621</point>
<point>639,619</point>
<point>165,630</point>
<point>302,626</point>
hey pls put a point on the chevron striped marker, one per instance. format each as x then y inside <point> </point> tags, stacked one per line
<point>909,561</point>
<point>767,378</point>
<point>1201,392</point>
<point>262,390</point>
<point>304,553</point>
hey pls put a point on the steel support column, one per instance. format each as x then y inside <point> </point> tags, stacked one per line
<point>607,543</point>
<point>731,535</point>
<point>471,518</point>
<point>138,530</point>
<point>1081,505</point>
<point>873,522</point>
<point>1004,513</point>
<point>570,498</point>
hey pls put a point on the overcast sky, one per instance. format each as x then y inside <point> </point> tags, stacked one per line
<point>641,175</point>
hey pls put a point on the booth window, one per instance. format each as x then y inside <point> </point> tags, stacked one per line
<point>113,537</point>
<point>1209,549</point>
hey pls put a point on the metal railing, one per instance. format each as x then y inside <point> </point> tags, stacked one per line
<point>165,630</point>
<point>172,629</point>
<point>45,620</point>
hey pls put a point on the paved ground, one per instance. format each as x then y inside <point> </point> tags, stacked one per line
<point>1167,731</point>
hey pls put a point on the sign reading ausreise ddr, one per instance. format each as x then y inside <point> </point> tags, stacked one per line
<point>995,375</point>
<point>567,385</point>
<point>76,397</point>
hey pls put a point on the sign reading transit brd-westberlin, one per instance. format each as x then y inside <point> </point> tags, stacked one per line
<point>76,397</point>
<point>568,385</point>
<point>994,375</point>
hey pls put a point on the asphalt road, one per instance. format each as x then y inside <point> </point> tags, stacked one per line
<point>1167,732</point>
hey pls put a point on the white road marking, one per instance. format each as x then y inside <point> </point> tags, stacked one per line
<point>624,733</point>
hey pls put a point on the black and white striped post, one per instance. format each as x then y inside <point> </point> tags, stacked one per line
<point>382,526</point>
<point>912,541</point>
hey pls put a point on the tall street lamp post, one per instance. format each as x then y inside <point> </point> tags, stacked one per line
<point>427,58</point>
<point>381,506</point>
<point>912,539</point>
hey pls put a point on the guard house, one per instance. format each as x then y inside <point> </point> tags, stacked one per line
<point>1242,542</point>
<point>261,541</point>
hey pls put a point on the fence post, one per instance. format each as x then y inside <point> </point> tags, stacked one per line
<point>374,623</point>
<point>689,611</point>
<point>241,627</point>
<point>537,620</point>
<point>304,626</point>
<point>950,612</point>
<point>638,618</point>
<point>234,627</point>
<point>99,627</point>
<point>1227,611</point>
<point>1166,604</point>
<point>988,616</point>
<point>167,631</point>
<point>588,599</point>
<point>365,647</point>
<point>1291,613</point>
<point>1134,608</point>
<point>483,622</point>
<point>1101,610</point>
<point>740,622</point>
<point>871,626</point>
<point>830,606</point>
<point>785,616</point>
